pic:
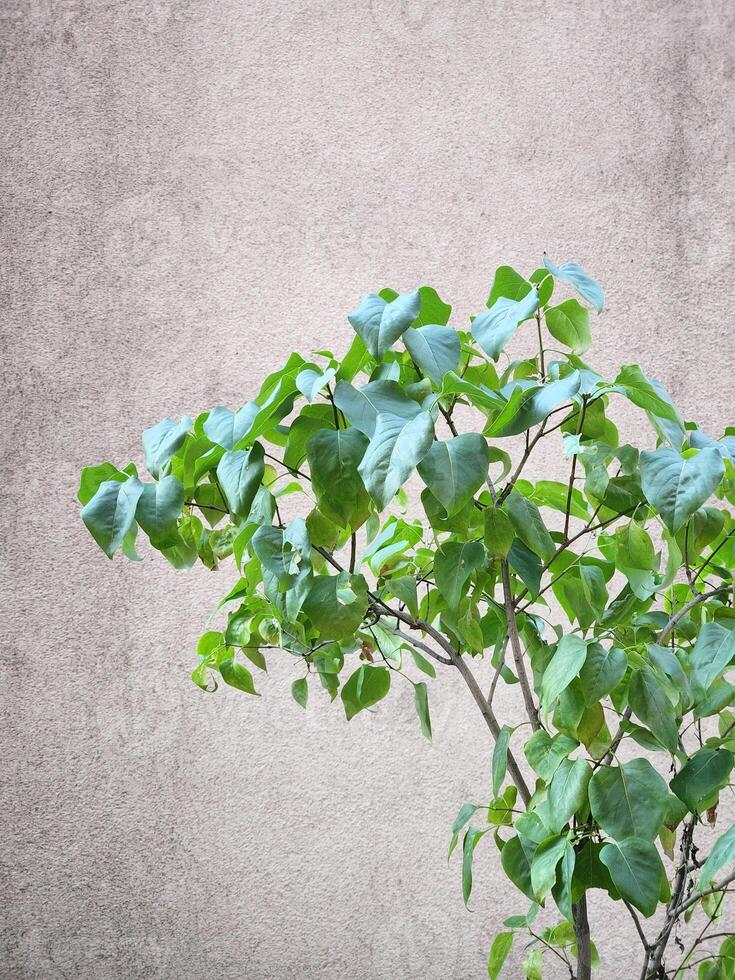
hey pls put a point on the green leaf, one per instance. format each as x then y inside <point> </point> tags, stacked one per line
<point>634,548</point>
<point>576,276</point>
<point>434,349</point>
<point>454,470</point>
<point>601,672</point>
<point>532,965</point>
<point>300,691</point>
<point>335,620</point>
<point>651,705</point>
<point>722,853</point>
<point>636,870</point>
<point>93,476</point>
<point>499,532</point>
<point>395,449</point>
<point>469,843</point>
<point>433,308</point>
<point>421,700</point>
<point>240,474</point>
<point>493,330</point>
<point>523,561</point>
<point>517,866</point>
<point>110,514</point>
<point>500,758</point>
<point>639,390</point>
<point>713,651</point>
<point>158,509</point>
<point>454,563</point>
<point>361,406</point>
<point>705,774</point>
<point>545,753</point>
<point>629,800</point>
<point>334,456</point>
<point>226,428</point>
<point>529,525</point>
<point>237,676</point>
<point>365,687</point>
<point>536,404</point>
<point>161,442</point>
<point>566,663</point>
<point>310,381</point>
<point>466,813</point>
<point>543,866</point>
<point>569,323</point>
<point>379,324</point>
<point>562,890</point>
<point>676,486</point>
<point>508,283</point>
<point>568,790</point>
<point>499,953</point>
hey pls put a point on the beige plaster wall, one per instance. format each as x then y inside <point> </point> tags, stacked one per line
<point>190,189</point>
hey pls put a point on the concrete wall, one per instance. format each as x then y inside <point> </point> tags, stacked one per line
<point>190,189</point>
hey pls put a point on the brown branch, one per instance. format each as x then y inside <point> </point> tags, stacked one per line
<point>655,959</point>
<point>524,459</point>
<point>515,645</point>
<point>492,723</point>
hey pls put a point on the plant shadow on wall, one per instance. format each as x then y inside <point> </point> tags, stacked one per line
<point>638,554</point>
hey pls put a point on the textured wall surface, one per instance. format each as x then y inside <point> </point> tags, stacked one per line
<point>189,189</point>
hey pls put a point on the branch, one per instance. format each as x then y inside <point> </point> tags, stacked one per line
<point>492,722</point>
<point>420,645</point>
<point>702,597</point>
<point>659,639</point>
<point>589,528</point>
<point>515,644</point>
<point>720,886</point>
<point>524,459</point>
<point>709,560</point>
<point>656,953</point>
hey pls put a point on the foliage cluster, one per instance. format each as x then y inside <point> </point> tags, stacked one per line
<point>607,599</point>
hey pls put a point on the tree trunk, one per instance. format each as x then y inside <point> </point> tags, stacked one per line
<point>582,934</point>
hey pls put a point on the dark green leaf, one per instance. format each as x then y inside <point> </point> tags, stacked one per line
<point>628,800</point>
<point>705,774</point>
<point>453,565</point>
<point>454,470</point>
<point>500,758</point>
<point>421,700</point>
<point>568,790</point>
<point>469,843</point>
<point>334,456</point>
<point>499,532</point>
<point>652,706</point>
<point>529,525</point>
<point>636,871</point>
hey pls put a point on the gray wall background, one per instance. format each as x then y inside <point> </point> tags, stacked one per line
<point>190,189</point>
